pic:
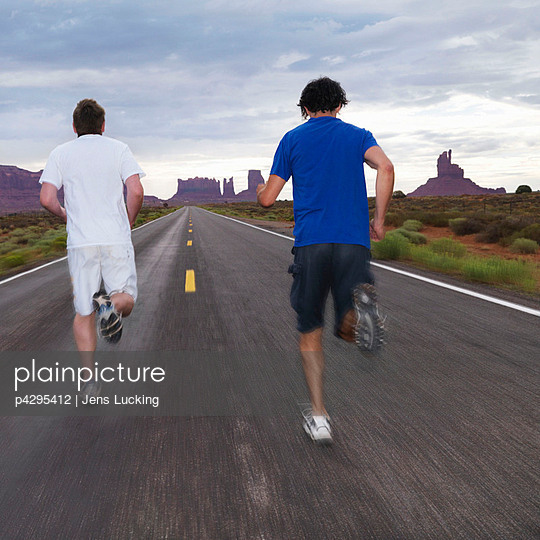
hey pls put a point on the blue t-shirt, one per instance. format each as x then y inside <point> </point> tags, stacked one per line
<point>325,157</point>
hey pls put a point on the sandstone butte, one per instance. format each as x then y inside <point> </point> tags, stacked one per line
<point>19,190</point>
<point>450,181</point>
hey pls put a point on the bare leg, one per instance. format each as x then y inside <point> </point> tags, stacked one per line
<point>313,363</point>
<point>123,303</point>
<point>84,330</point>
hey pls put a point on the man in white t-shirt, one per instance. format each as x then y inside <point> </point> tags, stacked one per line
<point>93,170</point>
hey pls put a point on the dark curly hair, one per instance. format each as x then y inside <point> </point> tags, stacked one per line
<point>322,95</point>
<point>88,117</point>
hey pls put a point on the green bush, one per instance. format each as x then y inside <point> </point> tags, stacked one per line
<point>59,243</point>
<point>448,247</point>
<point>413,236</point>
<point>12,261</point>
<point>435,261</point>
<point>29,238</point>
<point>398,195</point>
<point>439,219</point>
<point>503,229</point>
<point>6,247</point>
<point>394,220</point>
<point>392,247</point>
<point>524,245</point>
<point>43,245</point>
<point>17,233</point>
<point>532,232</point>
<point>497,270</point>
<point>523,189</point>
<point>413,225</point>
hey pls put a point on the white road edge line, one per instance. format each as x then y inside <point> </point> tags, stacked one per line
<point>16,276</point>
<point>480,296</point>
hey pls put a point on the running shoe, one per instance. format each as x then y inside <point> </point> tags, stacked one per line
<point>109,321</point>
<point>91,389</point>
<point>369,325</point>
<point>317,427</point>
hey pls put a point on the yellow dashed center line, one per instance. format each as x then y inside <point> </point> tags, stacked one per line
<point>190,281</point>
<point>190,230</point>
<point>189,242</point>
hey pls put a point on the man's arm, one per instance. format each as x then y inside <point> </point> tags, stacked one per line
<point>268,193</point>
<point>48,198</point>
<point>384,187</point>
<point>134,197</point>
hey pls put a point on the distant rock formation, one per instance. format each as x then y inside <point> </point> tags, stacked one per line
<point>150,200</point>
<point>19,190</point>
<point>250,194</point>
<point>206,190</point>
<point>450,181</point>
<point>228,188</point>
<point>197,189</point>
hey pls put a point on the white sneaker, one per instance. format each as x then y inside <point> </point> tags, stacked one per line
<point>317,427</point>
<point>91,389</point>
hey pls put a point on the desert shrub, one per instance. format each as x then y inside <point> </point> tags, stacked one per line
<point>491,234</point>
<point>59,243</point>
<point>497,270</point>
<point>448,247</point>
<point>398,195</point>
<point>6,247</point>
<point>28,238</point>
<point>524,245</point>
<point>413,236</point>
<point>439,219</point>
<point>463,226</point>
<point>393,246</point>
<point>523,189</point>
<point>532,232</point>
<point>12,261</point>
<point>413,225</point>
<point>503,229</point>
<point>393,219</point>
<point>43,245</point>
<point>17,233</point>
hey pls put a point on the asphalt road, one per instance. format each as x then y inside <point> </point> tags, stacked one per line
<point>435,438</point>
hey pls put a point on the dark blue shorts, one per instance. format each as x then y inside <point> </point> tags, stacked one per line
<point>320,268</point>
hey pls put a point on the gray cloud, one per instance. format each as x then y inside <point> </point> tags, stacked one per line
<point>231,71</point>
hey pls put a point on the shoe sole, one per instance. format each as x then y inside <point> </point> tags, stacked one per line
<point>111,328</point>
<point>369,329</point>
<point>99,299</point>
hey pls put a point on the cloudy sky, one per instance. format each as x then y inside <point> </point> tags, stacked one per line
<point>208,87</point>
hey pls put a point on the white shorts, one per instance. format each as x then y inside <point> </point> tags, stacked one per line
<point>88,265</point>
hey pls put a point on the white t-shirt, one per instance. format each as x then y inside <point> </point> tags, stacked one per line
<point>93,169</point>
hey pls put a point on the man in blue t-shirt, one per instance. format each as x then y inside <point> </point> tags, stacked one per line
<point>325,158</point>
